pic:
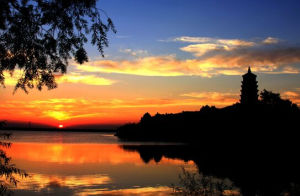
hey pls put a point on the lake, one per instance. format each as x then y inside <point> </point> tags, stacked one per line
<point>85,163</point>
<point>77,163</point>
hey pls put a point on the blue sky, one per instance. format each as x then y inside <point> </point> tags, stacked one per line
<point>142,23</point>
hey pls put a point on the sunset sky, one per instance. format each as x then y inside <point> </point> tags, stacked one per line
<point>169,56</point>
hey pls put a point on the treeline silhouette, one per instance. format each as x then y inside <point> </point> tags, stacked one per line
<point>271,119</point>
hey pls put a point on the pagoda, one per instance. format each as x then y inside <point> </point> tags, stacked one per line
<point>249,92</point>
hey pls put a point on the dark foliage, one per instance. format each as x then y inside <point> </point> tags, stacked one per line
<point>270,117</point>
<point>198,184</point>
<point>8,171</point>
<point>40,36</point>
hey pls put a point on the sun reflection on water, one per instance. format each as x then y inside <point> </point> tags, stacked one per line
<point>91,169</point>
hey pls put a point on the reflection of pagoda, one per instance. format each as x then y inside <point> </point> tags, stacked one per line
<point>249,90</point>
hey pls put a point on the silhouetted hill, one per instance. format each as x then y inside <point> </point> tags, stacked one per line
<point>271,119</point>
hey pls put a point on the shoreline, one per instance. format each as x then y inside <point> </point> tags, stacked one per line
<point>56,129</point>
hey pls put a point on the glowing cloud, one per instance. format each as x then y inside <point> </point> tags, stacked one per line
<point>77,78</point>
<point>214,98</point>
<point>234,62</point>
<point>294,96</point>
<point>213,57</point>
<point>84,79</point>
<point>270,40</point>
<point>201,49</point>
<point>207,44</point>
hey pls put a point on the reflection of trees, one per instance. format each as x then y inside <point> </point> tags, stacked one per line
<point>8,171</point>
<point>198,184</point>
<point>255,171</point>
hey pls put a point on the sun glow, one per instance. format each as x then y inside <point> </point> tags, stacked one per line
<point>60,126</point>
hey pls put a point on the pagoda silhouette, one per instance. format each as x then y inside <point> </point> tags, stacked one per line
<point>249,92</point>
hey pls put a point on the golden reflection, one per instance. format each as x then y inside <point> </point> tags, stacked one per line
<point>40,181</point>
<point>141,191</point>
<point>92,169</point>
<point>79,154</point>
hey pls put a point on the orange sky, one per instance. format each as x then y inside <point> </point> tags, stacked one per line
<point>81,103</point>
<point>77,101</point>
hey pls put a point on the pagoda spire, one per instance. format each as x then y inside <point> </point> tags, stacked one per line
<point>249,92</point>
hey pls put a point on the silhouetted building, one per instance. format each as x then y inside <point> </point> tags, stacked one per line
<point>249,92</point>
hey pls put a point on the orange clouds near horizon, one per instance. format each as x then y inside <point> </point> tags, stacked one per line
<point>70,111</point>
<point>76,111</point>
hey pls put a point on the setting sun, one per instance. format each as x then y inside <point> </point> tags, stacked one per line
<point>60,126</point>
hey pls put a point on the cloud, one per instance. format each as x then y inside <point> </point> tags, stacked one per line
<point>207,44</point>
<point>262,59</point>
<point>201,49</point>
<point>277,60</point>
<point>212,57</point>
<point>230,42</point>
<point>73,77</point>
<point>214,98</point>
<point>270,40</point>
<point>294,96</point>
<point>135,53</point>
<point>146,66</point>
<point>193,39</point>
<point>84,79</point>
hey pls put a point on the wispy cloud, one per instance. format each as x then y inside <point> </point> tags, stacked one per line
<point>135,53</point>
<point>147,66</point>
<point>201,49</point>
<point>212,57</point>
<point>277,61</point>
<point>294,96</point>
<point>192,39</point>
<point>203,45</point>
<point>73,77</point>
<point>214,98</point>
<point>84,79</point>
<point>270,40</point>
<point>229,42</point>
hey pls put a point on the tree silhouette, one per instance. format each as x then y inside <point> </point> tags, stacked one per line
<point>146,117</point>
<point>268,97</point>
<point>40,36</point>
<point>198,184</point>
<point>7,169</point>
<point>275,100</point>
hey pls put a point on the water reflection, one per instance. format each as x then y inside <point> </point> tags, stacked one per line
<point>83,168</point>
<point>65,164</point>
<point>263,171</point>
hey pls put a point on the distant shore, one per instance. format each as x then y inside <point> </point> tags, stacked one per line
<point>56,129</point>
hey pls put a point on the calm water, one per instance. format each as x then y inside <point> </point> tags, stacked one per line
<point>61,163</point>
